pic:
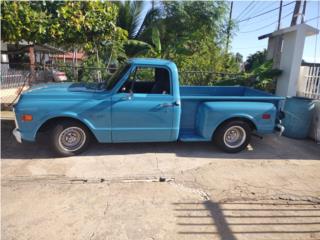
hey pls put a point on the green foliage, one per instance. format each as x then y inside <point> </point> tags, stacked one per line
<point>19,21</point>
<point>192,33</point>
<point>87,23</point>
<point>67,69</point>
<point>255,60</point>
<point>265,76</point>
<point>187,24</point>
<point>69,24</point>
<point>92,70</point>
<point>143,36</point>
<point>262,76</point>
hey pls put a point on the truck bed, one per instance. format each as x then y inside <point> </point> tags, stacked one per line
<point>193,96</point>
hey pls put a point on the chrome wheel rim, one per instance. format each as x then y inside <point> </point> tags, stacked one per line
<point>234,137</point>
<point>72,139</point>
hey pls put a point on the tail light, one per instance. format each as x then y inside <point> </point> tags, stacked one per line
<point>266,116</point>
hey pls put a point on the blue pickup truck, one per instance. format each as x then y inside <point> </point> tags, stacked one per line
<point>143,102</point>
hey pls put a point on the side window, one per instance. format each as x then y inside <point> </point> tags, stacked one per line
<point>148,80</point>
<point>145,74</point>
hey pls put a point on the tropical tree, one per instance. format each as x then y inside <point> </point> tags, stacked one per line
<point>19,21</point>
<point>255,60</point>
<point>143,35</point>
<point>90,26</point>
<point>83,24</point>
<point>193,34</point>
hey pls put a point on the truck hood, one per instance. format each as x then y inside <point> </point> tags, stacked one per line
<point>63,90</point>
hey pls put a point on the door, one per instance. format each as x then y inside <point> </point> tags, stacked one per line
<point>142,110</point>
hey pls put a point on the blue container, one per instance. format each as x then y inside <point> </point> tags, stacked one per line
<point>298,117</point>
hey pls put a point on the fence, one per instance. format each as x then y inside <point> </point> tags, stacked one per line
<point>13,78</point>
<point>309,82</point>
<point>17,77</point>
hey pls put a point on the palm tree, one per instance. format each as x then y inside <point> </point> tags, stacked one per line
<point>143,34</point>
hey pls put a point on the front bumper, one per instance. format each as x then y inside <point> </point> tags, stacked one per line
<point>16,133</point>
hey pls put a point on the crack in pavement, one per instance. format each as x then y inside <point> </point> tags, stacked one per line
<point>61,179</point>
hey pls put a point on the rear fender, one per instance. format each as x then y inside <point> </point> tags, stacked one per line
<point>211,115</point>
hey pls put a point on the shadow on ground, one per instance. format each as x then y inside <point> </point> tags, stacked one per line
<point>271,147</point>
<point>249,220</point>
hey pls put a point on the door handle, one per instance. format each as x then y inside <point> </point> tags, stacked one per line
<point>166,105</point>
<point>176,103</point>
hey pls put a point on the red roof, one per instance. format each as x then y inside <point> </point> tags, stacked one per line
<point>69,55</point>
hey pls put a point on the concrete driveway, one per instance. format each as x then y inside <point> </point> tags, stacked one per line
<point>161,191</point>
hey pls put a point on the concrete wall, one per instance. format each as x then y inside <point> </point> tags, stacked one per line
<point>293,43</point>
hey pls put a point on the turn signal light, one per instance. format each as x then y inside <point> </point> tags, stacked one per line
<point>26,117</point>
<point>266,116</point>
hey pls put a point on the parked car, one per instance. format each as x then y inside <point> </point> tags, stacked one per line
<point>50,75</point>
<point>59,76</point>
<point>143,102</point>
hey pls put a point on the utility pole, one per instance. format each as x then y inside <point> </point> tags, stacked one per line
<point>279,18</point>
<point>296,13</point>
<point>303,10</point>
<point>229,27</point>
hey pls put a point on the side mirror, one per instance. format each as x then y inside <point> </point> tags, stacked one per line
<point>129,96</point>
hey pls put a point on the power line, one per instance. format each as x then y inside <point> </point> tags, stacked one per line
<point>266,17</point>
<point>244,10</point>
<point>267,25</point>
<point>263,20</point>
<point>311,19</point>
<point>261,14</point>
<point>266,7</point>
<point>252,8</point>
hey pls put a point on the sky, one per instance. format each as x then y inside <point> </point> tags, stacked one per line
<point>246,40</point>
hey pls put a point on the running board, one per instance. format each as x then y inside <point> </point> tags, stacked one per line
<point>191,137</point>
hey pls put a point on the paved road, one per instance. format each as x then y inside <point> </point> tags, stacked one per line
<point>269,191</point>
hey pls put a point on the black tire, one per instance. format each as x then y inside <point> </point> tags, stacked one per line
<point>243,131</point>
<point>78,131</point>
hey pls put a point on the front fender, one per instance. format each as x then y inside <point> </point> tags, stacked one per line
<point>29,130</point>
<point>71,115</point>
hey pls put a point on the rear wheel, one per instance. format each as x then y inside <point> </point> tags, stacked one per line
<point>69,138</point>
<point>233,136</point>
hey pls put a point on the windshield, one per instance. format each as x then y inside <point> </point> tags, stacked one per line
<point>117,76</point>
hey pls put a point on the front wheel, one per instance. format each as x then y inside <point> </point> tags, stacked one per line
<point>233,136</point>
<point>69,138</point>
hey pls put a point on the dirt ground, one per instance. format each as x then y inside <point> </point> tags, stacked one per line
<point>161,191</point>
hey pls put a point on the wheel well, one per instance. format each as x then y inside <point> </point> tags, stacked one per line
<point>53,121</point>
<point>243,119</point>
